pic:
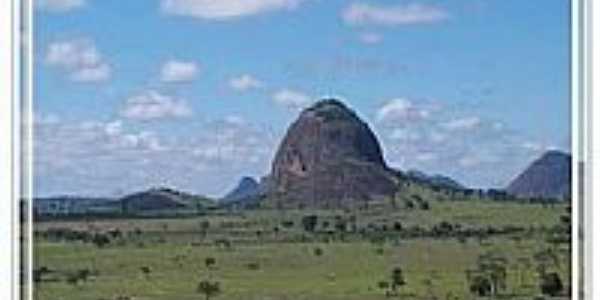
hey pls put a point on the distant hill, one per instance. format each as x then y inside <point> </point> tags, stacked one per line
<point>158,199</point>
<point>547,177</point>
<point>71,205</point>
<point>247,188</point>
<point>437,180</point>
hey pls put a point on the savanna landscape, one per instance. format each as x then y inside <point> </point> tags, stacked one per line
<point>301,150</point>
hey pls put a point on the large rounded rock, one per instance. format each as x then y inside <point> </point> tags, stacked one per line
<point>329,158</point>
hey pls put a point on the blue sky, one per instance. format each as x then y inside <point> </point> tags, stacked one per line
<point>196,94</point>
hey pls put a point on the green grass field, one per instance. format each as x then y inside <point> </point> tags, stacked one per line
<point>261,262</point>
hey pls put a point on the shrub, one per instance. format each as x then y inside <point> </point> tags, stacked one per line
<point>100,240</point>
<point>318,251</point>
<point>384,285</point>
<point>210,262</point>
<point>208,288</point>
<point>309,223</point>
<point>253,266</point>
<point>480,286</point>
<point>551,284</point>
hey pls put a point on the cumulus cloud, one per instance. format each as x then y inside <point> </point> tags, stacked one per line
<point>244,83</point>
<point>58,6</point>
<point>152,105</point>
<point>99,158</point>
<point>476,151</point>
<point>466,123</point>
<point>401,110</point>
<point>291,99</point>
<point>225,10</point>
<point>80,59</point>
<point>179,71</point>
<point>360,14</point>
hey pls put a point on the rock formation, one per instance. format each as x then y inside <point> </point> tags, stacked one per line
<point>329,157</point>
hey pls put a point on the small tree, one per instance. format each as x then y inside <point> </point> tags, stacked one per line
<point>480,285</point>
<point>208,288</point>
<point>309,223</point>
<point>100,240</point>
<point>491,270</point>
<point>146,270</point>
<point>210,262</point>
<point>318,251</point>
<point>551,285</point>
<point>397,279</point>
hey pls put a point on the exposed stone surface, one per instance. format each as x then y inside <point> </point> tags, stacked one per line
<point>329,158</point>
<point>547,177</point>
<point>247,189</point>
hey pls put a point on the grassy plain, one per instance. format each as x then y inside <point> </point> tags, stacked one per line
<point>259,258</point>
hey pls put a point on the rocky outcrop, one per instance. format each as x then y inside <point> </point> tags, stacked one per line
<point>247,189</point>
<point>329,157</point>
<point>547,177</point>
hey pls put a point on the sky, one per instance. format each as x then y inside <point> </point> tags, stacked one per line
<point>196,94</point>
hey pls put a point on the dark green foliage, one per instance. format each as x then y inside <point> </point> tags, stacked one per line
<point>491,272</point>
<point>397,278</point>
<point>146,270</point>
<point>309,223</point>
<point>384,285</point>
<point>74,278</point>
<point>210,262</point>
<point>318,251</point>
<point>480,286</point>
<point>208,288</point>
<point>551,285</point>
<point>100,240</point>
<point>253,266</point>
<point>287,224</point>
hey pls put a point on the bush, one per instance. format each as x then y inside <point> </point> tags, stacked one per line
<point>309,223</point>
<point>480,286</point>
<point>318,251</point>
<point>100,240</point>
<point>208,288</point>
<point>551,284</point>
<point>384,285</point>
<point>209,262</point>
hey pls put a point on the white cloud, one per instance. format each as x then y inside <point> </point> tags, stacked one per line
<point>99,157</point>
<point>403,134</point>
<point>179,71</point>
<point>367,14</point>
<point>151,105</point>
<point>225,10</point>
<point>245,82</point>
<point>370,38</point>
<point>467,123</point>
<point>401,110</point>
<point>469,161</point>
<point>58,6</point>
<point>291,99</point>
<point>80,59</point>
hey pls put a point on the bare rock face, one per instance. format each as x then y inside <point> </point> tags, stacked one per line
<point>329,158</point>
<point>547,177</point>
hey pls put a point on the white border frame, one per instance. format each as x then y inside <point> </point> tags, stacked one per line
<point>583,13</point>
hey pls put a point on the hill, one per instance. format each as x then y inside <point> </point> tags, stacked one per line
<point>329,157</point>
<point>547,177</point>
